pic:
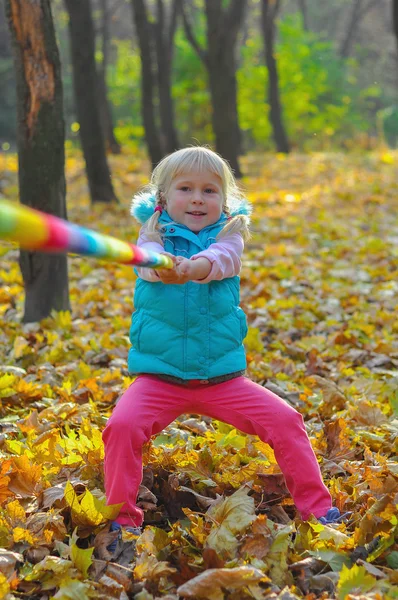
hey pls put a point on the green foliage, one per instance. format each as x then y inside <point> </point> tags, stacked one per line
<point>326,101</point>
<point>318,96</point>
<point>190,92</point>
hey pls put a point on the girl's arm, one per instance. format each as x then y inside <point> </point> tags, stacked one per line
<point>144,272</point>
<point>221,260</point>
<point>224,257</point>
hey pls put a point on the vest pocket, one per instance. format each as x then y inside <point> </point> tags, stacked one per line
<point>135,329</point>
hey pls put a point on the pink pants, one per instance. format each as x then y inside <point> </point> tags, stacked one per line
<point>150,404</point>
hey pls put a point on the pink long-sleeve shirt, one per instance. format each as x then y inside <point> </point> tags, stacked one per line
<point>224,256</point>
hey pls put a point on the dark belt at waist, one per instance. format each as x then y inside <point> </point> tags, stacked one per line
<point>198,382</point>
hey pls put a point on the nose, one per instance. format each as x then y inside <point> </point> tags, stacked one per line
<point>197,197</point>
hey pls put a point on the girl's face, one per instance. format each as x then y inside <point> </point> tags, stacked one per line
<point>195,199</point>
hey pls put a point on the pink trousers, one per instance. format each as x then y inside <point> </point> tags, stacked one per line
<point>150,404</point>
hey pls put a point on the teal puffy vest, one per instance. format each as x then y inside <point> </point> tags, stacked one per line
<point>190,331</point>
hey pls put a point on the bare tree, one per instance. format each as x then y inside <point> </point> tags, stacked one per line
<point>219,58</point>
<point>358,11</point>
<point>155,35</point>
<point>304,13</point>
<point>269,11</point>
<point>148,89</point>
<point>85,80</point>
<point>395,19</point>
<point>41,139</point>
<point>104,105</point>
<point>164,30</point>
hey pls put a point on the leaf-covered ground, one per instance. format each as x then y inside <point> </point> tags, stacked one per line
<point>320,288</point>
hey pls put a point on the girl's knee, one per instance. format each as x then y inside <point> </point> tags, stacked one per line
<point>119,428</point>
<point>288,418</point>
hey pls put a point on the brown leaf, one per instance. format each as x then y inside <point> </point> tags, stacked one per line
<point>331,394</point>
<point>8,561</point>
<point>101,542</point>
<point>146,499</point>
<point>255,545</point>
<point>210,583</point>
<point>35,555</point>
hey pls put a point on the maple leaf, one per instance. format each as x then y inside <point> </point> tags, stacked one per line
<point>5,492</point>
<point>210,584</point>
<point>148,567</point>
<point>25,476</point>
<point>86,509</point>
<point>4,586</point>
<point>230,517</point>
<point>354,580</point>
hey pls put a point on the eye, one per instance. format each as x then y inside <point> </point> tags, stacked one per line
<point>184,188</point>
<point>210,191</point>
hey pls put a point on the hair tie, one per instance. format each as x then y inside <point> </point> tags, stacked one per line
<point>158,208</point>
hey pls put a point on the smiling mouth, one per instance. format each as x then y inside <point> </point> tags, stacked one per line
<point>197,213</point>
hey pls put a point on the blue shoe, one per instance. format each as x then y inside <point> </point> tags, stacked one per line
<point>117,527</point>
<point>333,516</point>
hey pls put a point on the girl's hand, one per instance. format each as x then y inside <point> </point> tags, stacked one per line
<point>167,274</point>
<point>171,275</point>
<point>191,270</point>
<point>184,270</point>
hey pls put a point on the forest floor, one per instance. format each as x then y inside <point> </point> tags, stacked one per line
<point>320,286</point>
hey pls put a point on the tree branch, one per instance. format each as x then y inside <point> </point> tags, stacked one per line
<point>304,12</point>
<point>191,38</point>
<point>233,18</point>
<point>175,11</point>
<point>353,24</point>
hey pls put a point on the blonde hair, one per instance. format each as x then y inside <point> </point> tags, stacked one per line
<point>197,159</point>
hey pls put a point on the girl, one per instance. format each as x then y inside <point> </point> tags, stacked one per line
<point>187,336</point>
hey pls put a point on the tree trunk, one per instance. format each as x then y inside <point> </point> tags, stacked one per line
<point>143,30</point>
<point>41,139</point>
<point>304,13</point>
<point>268,14</point>
<point>85,80</point>
<point>358,12</point>
<point>222,82</point>
<point>219,58</point>
<point>222,32</point>
<point>395,19</point>
<point>111,142</point>
<point>164,38</point>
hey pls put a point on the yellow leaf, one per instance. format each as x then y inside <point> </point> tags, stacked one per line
<point>230,517</point>
<point>73,589</point>
<point>387,158</point>
<point>20,347</point>
<point>7,381</point>
<point>82,558</point>
<point>252,340</point>
<point>88,510</point>
<point>4,586</point>
<point>266,450</point>
<point>354,581</point>
<point>16,512</point>
<point>148,567</point>
<point>22,535</point>
<point>26,477</point>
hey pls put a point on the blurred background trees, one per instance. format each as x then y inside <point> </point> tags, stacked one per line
<point>149,76</point>
<point>336,66</point>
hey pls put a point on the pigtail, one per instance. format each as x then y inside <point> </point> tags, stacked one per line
<point>151,227</point>
<point>237,224</point>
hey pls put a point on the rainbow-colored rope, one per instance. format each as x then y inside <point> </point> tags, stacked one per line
<point>35,230</point>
